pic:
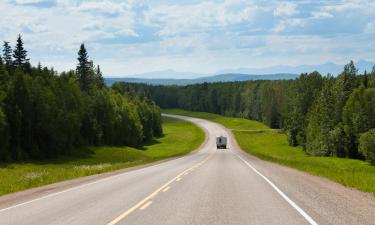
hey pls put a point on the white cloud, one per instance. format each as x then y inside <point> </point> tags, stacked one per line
<point>104,7</point>
<point>321,15</point>
<point>28,1</point>
<point>133,36</point>
<point>285,24</point>
<point>370,27</point>
<point>175,19</point>
<point>285,9</point>
<point>365,6</point>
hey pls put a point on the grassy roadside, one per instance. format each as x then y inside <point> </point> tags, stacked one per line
<point>180,137</point>
<point>268,144</point>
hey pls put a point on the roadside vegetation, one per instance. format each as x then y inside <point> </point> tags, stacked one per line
<point>326,115</point>
<point>180,137</point>
<point>45,114</point>
<point>272,145</point>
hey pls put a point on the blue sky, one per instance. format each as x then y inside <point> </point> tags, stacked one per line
<point>134,36</point>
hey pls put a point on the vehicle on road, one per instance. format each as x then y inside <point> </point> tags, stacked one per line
<point>221,142</point>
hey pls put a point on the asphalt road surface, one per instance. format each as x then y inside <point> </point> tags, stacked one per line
<point>209,186</point>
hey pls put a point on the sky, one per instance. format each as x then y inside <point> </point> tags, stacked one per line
<point>137,36</point>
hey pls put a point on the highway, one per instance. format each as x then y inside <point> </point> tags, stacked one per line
<point>209,186</point>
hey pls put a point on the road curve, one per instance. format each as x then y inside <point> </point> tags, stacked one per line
<point>209,186</point>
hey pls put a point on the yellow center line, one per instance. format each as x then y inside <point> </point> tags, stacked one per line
<point>178,179</point>
<point>153,194</point>
<point>145,205</point>
<point>166,189</point>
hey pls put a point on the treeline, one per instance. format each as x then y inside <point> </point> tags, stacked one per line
<point>326,115</point>
<point>44,114</point>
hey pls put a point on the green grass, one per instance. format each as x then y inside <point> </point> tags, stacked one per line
<point>272,145</point>
<point>179,138</point>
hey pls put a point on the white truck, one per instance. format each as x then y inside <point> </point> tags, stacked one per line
<point>221,142</point>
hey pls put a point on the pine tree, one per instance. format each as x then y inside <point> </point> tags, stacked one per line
<point>320,121</point>
<point>20,55</point>
<point>39,67</point>
<point>84,69</point>
<point>3,72</point>
<point>7,55</point>
<point>365,79</point>
<point>99,80</point>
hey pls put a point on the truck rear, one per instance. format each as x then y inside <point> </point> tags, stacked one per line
<point>221,142</point>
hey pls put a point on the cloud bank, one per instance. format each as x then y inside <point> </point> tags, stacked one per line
<point>134,36</point>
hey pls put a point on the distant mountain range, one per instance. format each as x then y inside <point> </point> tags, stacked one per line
<point>208,79</point>
<point>280,72</point>
<point>168,74</point>
<point>324,69</point>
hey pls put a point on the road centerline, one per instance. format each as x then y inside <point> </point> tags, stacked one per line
<point>166,189</point>
<point>143,207</point>
<point>153,194</point>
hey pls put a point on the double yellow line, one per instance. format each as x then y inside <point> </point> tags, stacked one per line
<point>153,194</point>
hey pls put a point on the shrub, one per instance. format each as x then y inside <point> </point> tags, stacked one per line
<point>367,145</point>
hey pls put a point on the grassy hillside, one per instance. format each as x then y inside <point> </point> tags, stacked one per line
<point>272,145</point>
<point>180,138</point>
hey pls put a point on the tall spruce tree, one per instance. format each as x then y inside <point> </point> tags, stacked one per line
<point>99,80</point>
<point>7,55</point>
<point>346,82</point>
<point>365,79</point>
<point>301,95</point>
<point>39,67</point>
<point>20,55</point>
<point>84,70</point>
<point>3,72</point>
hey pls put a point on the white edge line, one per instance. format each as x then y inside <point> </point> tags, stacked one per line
<point>293,204</point>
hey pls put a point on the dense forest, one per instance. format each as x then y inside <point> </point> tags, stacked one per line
<point>44,114</point>
<point>326,115</point>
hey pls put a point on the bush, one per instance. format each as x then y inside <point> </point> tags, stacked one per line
<point>367,145</point>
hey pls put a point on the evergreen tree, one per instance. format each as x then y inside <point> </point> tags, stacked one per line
<point>346,82</point>
<point>358,116</point>
<point>365,79</point>
<point>7,55</point>
<point>84,71</point>
<point>321,122</point>
<point>20,55</point>
<point>99,80</point>
<point>301,95</point>
<point>39,67</point>
<point>3,72</point>
<point>44,114</point>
